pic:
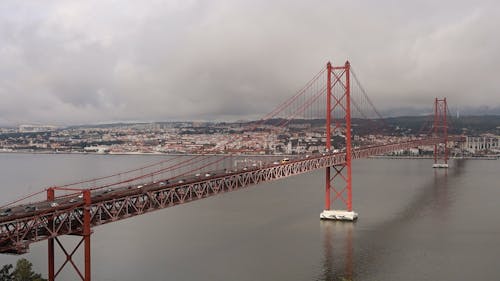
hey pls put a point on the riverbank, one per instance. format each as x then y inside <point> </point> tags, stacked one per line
<point>138,153</point>
<point>490,157</point>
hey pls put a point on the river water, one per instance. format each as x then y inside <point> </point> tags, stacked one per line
<point>415,223</point>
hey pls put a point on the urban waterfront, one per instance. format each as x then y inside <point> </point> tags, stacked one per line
<point>416,223</point>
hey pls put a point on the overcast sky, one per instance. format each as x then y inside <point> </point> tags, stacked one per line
<point>76,62</point>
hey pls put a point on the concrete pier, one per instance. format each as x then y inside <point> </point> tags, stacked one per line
<point>338,215</point>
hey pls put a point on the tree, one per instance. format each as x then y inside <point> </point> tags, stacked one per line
<point>5,274</point>
<point>24,272</point>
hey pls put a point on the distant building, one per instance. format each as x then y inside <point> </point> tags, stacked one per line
<point>481,144</point>
<point>36,128</point>
<point>96,149</point>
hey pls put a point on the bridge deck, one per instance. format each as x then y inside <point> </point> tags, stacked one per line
<point>19,230</point>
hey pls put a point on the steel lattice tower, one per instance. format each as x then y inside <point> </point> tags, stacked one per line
<point>338,116</point>
<point>440,130</point>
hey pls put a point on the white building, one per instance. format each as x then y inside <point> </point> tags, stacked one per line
<point>96,149</point>
<point>482,143</point>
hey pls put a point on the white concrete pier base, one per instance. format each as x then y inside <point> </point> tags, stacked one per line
<point>440,165</point>
<point>339,215</point>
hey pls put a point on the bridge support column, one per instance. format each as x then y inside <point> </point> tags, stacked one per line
<point>85,233</point>
<point>342,125</point>
<point>50,261</point>
<point>328,131</point>
<point>440,129</point>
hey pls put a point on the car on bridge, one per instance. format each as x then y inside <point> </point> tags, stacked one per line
<point>30,208</point>
<point>6,212</point>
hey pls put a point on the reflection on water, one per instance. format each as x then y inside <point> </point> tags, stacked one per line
<point>338,250</point>
<point>435,196</point>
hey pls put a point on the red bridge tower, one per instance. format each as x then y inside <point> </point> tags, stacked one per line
<point>338,115</point>
<point>440,130</point>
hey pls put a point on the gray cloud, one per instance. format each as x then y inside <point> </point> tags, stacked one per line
<point>65,62</point>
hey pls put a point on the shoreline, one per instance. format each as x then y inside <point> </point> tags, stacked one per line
<point>142,153</point>
<point>489,157</point>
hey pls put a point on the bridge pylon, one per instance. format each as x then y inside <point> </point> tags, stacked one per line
<point>338,116</point>
<point>85,232</point>
<point>440,130</point>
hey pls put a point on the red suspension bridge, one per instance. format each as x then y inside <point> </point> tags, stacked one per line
<point>334,95</point>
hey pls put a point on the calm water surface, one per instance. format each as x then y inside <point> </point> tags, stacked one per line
<point>415,223</point>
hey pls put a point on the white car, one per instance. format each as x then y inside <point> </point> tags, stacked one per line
<point>54,204</point>
<point>139,186</point>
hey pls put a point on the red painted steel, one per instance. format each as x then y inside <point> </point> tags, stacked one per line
<point>445,130</point>
<point>342,108</point>
<point>328,131</point>
<point>435,128</point>
<point>440,129</point>
<point>348,147</point>
<point>69,258</point>
<point>86,232</point>
<point>51,273</point>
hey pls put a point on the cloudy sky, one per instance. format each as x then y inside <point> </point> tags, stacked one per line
<point>76,62</point>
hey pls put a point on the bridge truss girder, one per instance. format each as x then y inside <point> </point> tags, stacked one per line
<point>17,234</point>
